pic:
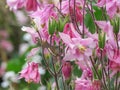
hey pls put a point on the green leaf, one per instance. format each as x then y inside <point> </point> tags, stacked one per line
<point>89,23</point>
<point>76,71</point>
<point>14,65</point>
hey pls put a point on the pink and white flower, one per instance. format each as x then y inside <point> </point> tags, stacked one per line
<point>31,73</point>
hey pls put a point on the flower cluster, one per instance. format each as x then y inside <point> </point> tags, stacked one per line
<point>65,39</point>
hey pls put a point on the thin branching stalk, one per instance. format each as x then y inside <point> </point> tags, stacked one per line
<point>83,33</point>
<point>103,70</point>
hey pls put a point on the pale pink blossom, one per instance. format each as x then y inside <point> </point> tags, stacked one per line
<point>6,45</point>
<point>31,73</point>
<point>83,84</point>
<point>87,73</point>
<point>15,4</point>
<point>111,8</point>
<point>33,52</point>
<point>107,28</point>
<point>30,5</point>
<point>65,5</point>
<point>114,66</point>
<point>78,48</point>
<point>101,3</point>
<point>44,14</point>
<point>32,32</point>
<point>96,85</point>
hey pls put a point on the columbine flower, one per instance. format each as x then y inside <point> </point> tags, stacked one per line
<point>32,32</point>
<point>87,73</point>
<point>78,48</point>
<point>31,73</point>
<point>30,5</point>
<point>112,6</point>
<point>101,3</point>
<point>83,84</point>
<point>15,4</point>
<point>44,14</point>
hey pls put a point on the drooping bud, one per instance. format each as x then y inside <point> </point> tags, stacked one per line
<point>66,70</point>
<point>31,5</point>
<point>31,73</point>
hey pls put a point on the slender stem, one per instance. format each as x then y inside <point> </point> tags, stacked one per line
<point>60,59</point>
<point>55,75</point>
<point>93,16</point>
<point>83,18</point>
<point>55,72</point>
<point>117,41</point>
<point>73,18</point>
<point>96,71</point>
<point>119,86</point>
<point>93,64</point>
<point>103,74</point>
<point>60,1</point>
<point>116,81</point>
<point>108,76</point>
<point>60,12</point>
<point>117,75</point>
<point>46,64</point>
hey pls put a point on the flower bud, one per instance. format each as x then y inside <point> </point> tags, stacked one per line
<point>102,38</point>
<point>66,70</point>
<point>31,5</point>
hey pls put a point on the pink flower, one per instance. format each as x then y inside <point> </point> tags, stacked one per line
<point>101,3</point>
<point>67,30</point>
<point>113,55</point>
<point>65,9</point>
<point>83,84</point>
<point>15,4</point>
<point>70,30</point>
<point>87,73</point>
<point>6,45</point>
<point>33,52</point>
<point>114,66</point>
<point>78,48</point>
<point>30,73</point>
<point>96,85</point>
<point>32,32</point>
<point>107,28</point>
<point>111,8</point>
<point>65,5</point>
<point>66,70</point>
<point>31,5</point>
<point>44,14</point>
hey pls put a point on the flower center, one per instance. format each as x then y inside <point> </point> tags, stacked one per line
<point>82,49</point>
